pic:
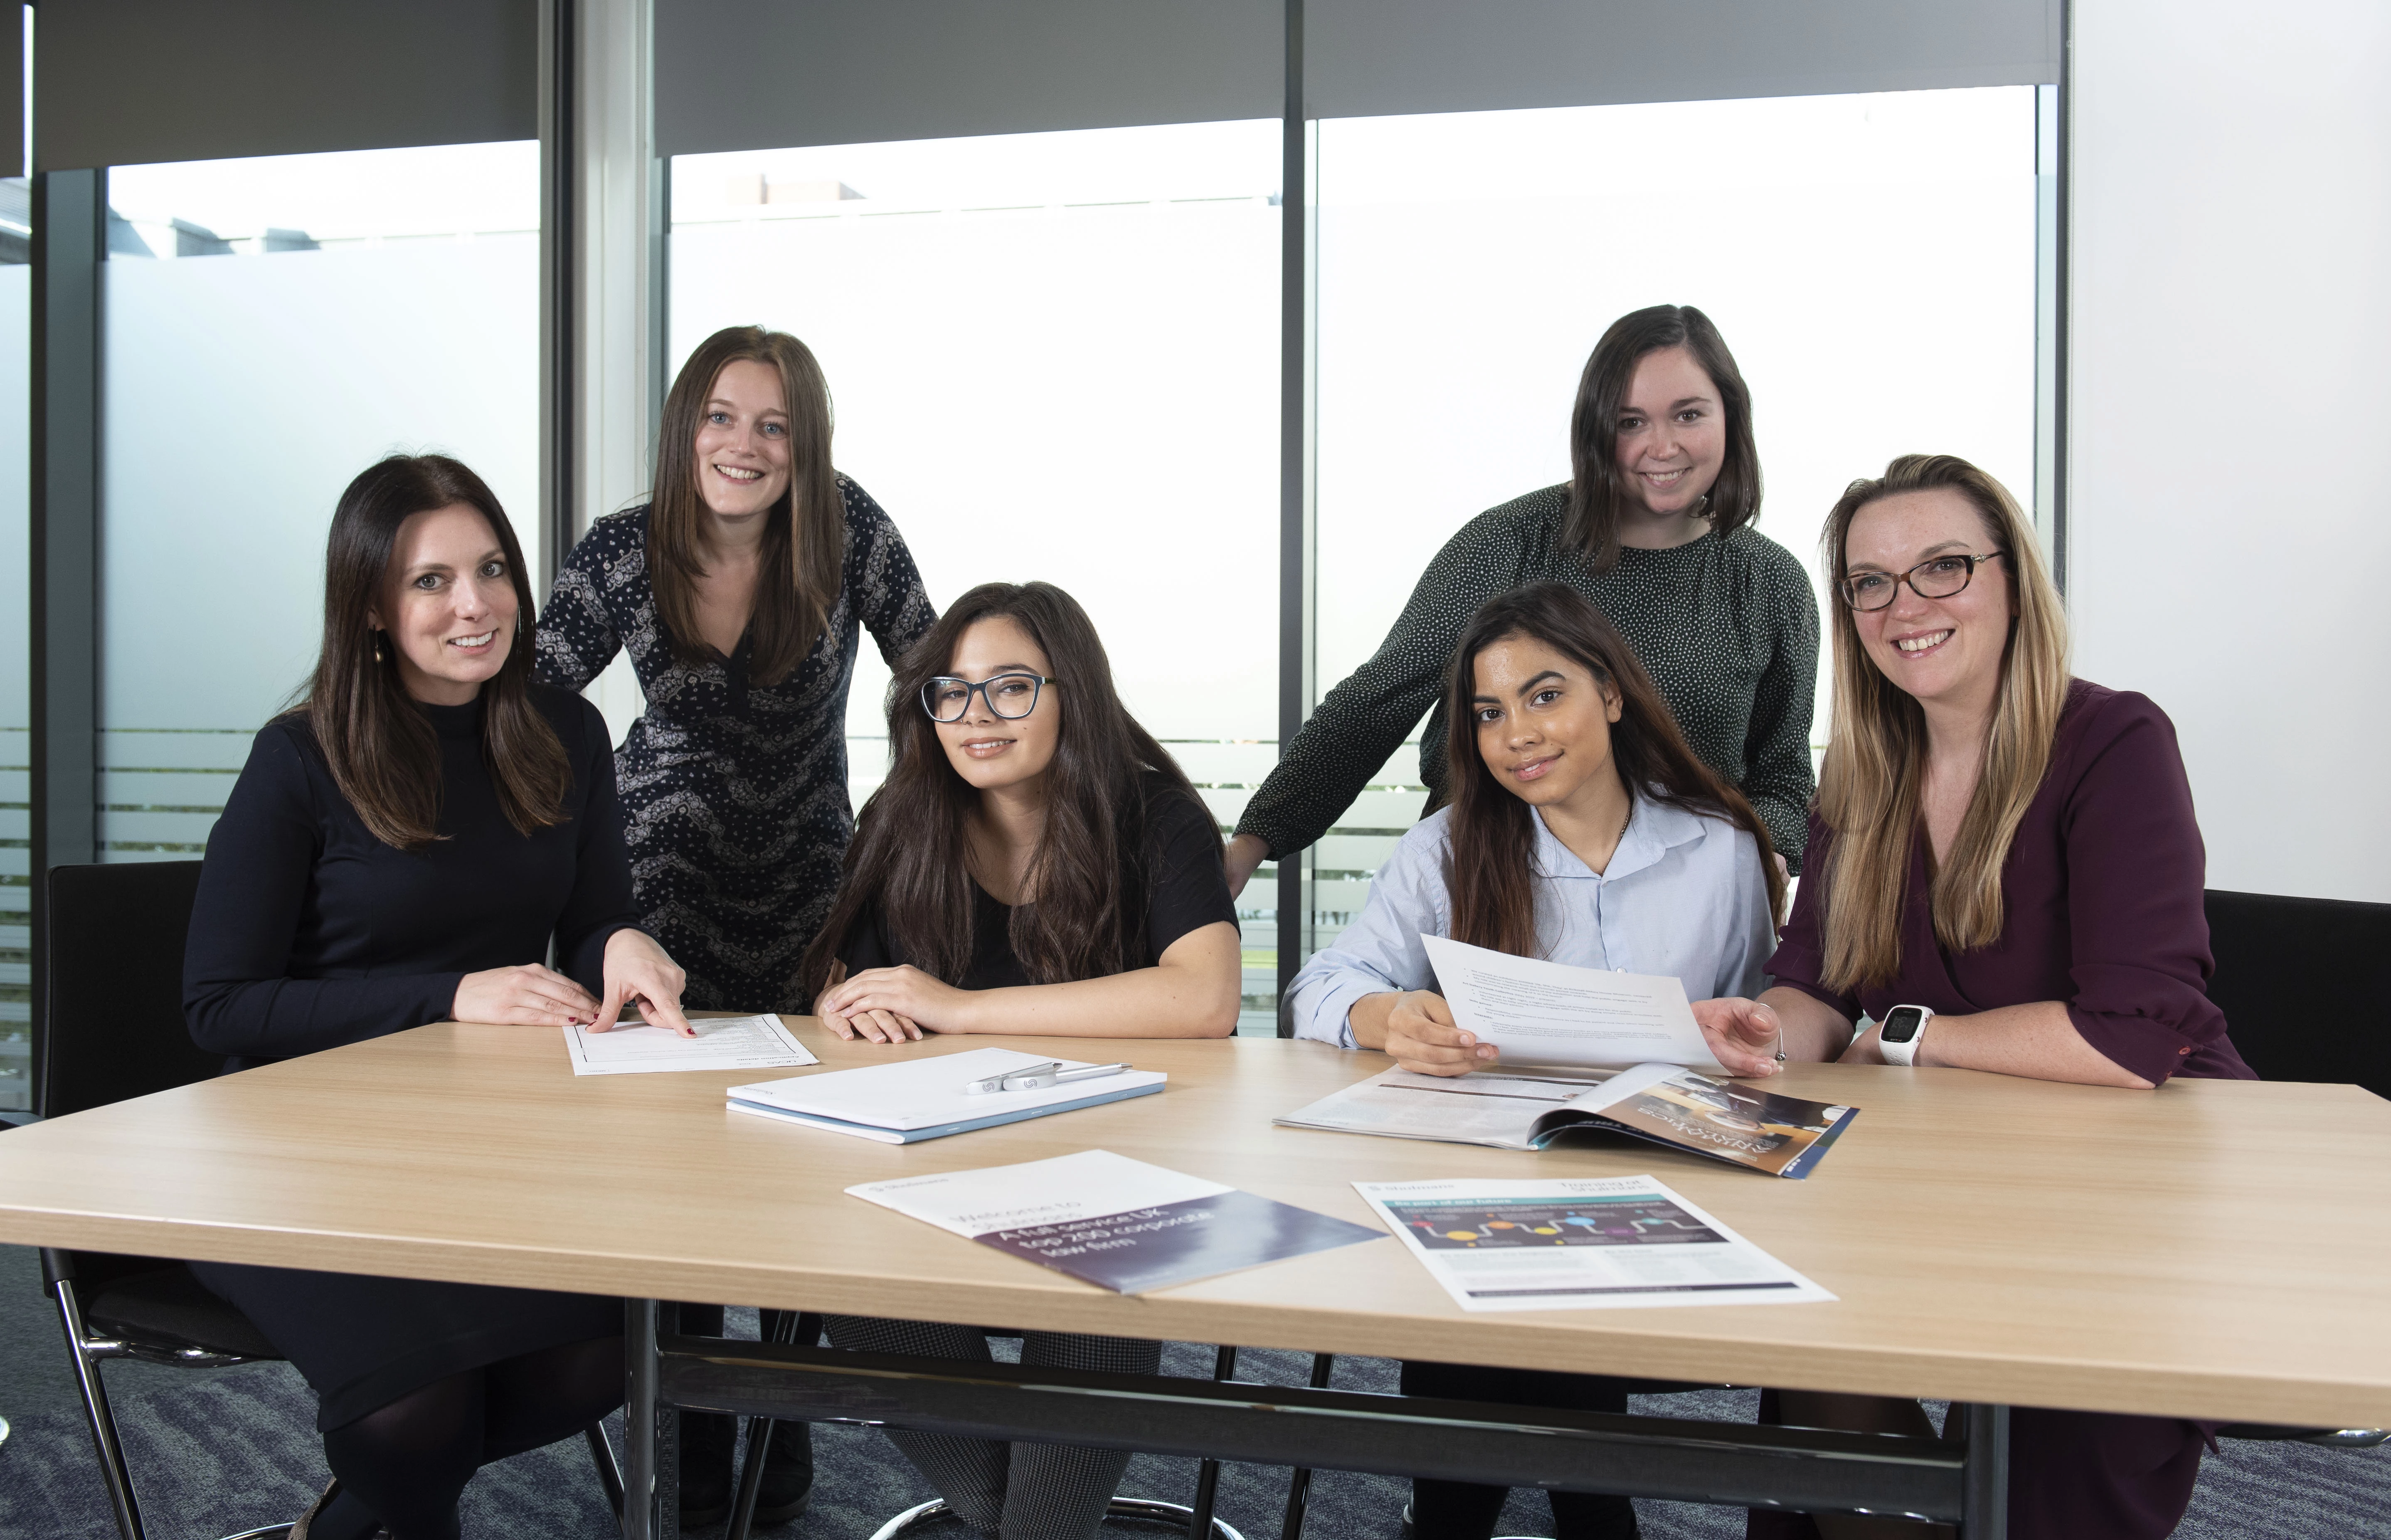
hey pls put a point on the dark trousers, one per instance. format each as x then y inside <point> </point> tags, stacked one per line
<point>2072,1476</point>
<point>1464,1511</point>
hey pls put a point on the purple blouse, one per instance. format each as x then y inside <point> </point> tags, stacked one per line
<point>2103,897</point>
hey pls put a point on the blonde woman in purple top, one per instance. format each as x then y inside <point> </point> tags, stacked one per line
<point>2005,874</point>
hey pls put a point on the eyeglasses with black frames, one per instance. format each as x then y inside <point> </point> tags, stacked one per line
<point>1009,696</point>
<point>1936,578</point>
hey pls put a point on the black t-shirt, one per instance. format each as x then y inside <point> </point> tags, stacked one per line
<point>1177,870</point>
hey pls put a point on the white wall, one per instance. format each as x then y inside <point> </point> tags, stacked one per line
<point>2230,294</point>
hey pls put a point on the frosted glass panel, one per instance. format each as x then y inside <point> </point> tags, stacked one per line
<point>1053,355</point>
<point>16,714</point>
<point>347,306</point>
<point>1870,259</point>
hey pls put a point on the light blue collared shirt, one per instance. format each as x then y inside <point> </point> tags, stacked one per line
<point>1685,895</point>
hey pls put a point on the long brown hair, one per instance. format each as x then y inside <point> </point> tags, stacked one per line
<point>1091,877</point>
<point>1598,492</point>
<point>1869,787</point>
<point>805,533</point>
<point>1492,840</point>
<point>383,752</point>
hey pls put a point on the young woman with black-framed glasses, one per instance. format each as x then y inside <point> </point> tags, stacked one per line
<point>1034,863</point>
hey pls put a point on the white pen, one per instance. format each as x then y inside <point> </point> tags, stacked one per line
<point>1037,1077</point>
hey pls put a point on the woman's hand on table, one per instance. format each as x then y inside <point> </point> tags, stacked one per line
<point>526,995</point>
<point>1422,1037</point>
<point>1743,1035</point>
<point>898,1004</point>
<point>638,972</point>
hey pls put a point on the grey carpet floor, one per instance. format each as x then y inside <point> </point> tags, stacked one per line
<point>217,1453</point>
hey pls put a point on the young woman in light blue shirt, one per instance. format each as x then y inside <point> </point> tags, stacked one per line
<point>1581,830</point>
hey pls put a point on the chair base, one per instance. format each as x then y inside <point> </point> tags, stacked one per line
<point>2330,1437</point>
<point>271,1532</point>
<point>1178,1515</point>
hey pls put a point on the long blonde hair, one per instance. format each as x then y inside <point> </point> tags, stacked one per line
<point>1868,789</point>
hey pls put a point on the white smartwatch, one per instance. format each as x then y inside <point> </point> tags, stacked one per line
<point>1902,1030</point>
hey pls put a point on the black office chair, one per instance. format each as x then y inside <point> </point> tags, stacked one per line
<point>2293,976</point>
<point>2289,972</point>
<point>113,1031</point>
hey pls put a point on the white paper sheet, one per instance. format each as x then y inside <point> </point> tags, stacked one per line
<point>722,1043</point>
<point>1094,1182</point>
<point>1579,1243</point>
<point>1537,1012</point>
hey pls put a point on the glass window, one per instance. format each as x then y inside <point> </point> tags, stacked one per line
<point>16,651</point>
<point>1869,259</point>
<point>1051,355</point>
<point>351,304</point>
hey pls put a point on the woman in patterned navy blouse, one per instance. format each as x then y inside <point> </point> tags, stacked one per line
<point>734,780</point>
<point>740,591</point>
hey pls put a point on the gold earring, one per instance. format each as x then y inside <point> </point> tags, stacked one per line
<point>377,647</point>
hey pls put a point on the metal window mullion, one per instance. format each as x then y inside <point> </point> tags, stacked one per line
<point>69,242</point>
<point>559,254</point>
<point>1297,443</point>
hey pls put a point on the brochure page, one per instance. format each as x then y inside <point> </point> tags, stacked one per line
<point>1537,1012</point>
<point>1730,1121</point>
<point>722,1043</point>
<point>1595,1243</point>
<point>1113,1221</point>
<point>1490,1107</point>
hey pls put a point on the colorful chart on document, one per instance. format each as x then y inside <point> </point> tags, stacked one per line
<point>1625,1221</point>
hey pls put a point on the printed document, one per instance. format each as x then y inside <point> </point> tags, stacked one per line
<point>1113,1221</point>
<point>722,1043</point>
<point>1579,1243</point>
<point>1537,1012</point>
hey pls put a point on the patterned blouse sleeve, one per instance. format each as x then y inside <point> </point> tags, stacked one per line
<point>1780,780</point>
<point>578,638</point>
<point>1367,719</point>
<point>882,582</point>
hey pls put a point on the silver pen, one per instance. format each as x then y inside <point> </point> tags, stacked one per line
<point>1039,1077</point>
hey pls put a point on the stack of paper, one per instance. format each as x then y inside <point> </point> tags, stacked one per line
<point>910,1100</point>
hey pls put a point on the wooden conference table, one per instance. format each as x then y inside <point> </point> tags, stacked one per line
<point>2213,1249</point>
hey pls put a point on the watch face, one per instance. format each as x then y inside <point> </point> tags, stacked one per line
<point>1901,1024</point>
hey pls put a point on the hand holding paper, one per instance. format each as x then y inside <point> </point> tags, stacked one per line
<point>1535,1012</point>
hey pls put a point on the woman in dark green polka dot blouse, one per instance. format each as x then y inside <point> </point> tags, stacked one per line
<point>1655,527</point>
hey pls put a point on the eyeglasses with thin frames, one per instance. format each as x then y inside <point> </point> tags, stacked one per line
<point>1009,697</point>
<point>1936,578</point>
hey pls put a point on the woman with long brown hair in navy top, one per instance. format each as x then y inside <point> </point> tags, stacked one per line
<point>2005,875</point>
<point>406,846</point>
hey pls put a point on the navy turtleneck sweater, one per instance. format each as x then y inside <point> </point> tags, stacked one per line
<point>310,933</point>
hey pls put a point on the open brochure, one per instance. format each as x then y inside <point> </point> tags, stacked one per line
<point>1578,1244</point>
<point>1552,1013</point>
<point>1113,1221</point>
<point>1528,1109</point>
<point>905,1101</point>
